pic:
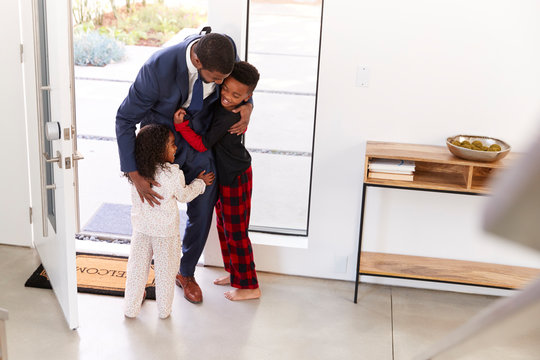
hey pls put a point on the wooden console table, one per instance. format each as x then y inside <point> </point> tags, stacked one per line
<point>436,169</point>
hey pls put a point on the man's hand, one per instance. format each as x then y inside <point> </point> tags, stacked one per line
<point>179,116</point>
<point>144,188</point>
<point>245,113</point>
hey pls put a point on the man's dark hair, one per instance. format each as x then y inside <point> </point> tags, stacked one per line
<point>150,145</point>
<point>216,53</point>
<point>246,73</point>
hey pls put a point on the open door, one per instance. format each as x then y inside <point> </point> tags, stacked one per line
<point>49,94</point>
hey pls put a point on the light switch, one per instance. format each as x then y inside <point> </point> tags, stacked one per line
<point>362,76</point>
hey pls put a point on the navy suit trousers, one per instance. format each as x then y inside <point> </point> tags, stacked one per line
<point>199,210</point>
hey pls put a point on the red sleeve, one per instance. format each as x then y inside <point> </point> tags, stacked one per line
<point>191,136</point>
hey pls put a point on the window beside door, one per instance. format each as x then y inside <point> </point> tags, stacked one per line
<point>283,43</point>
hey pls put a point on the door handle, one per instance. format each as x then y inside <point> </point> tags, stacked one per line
<point>77,156</point>
<point>56,159</point>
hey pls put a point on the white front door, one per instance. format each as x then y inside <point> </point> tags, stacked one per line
<point>48,69</point>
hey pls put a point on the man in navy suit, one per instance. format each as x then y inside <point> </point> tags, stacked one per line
<point>164,84</point>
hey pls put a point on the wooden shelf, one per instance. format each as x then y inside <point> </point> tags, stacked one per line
<point>446,270</point>
<point>436,168</point>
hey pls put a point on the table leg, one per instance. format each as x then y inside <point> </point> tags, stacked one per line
<point>364,188</point>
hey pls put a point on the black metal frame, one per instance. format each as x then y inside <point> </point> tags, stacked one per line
<point>358,273</point>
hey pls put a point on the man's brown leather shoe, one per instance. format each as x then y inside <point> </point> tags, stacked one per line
<point>192,291</point>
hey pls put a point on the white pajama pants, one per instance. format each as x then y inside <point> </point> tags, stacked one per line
<point>166,252</point>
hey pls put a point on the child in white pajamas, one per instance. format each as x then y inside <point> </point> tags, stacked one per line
<point>156,228</point>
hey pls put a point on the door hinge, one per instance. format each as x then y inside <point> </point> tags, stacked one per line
<point>30,212</point>
<point>21,49</point>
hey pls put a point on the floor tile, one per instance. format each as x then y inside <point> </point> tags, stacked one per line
<point>422,317</point>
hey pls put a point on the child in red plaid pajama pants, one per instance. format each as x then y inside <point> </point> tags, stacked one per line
<point>233,164</point>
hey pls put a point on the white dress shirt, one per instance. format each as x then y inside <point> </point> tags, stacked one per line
<point>208,88</point>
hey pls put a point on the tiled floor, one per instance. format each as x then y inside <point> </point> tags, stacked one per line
<point>296,318</point>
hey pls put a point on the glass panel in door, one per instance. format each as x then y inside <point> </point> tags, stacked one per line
<point>46,107</point>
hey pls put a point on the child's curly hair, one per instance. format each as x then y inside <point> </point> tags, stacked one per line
<point>150,146</point>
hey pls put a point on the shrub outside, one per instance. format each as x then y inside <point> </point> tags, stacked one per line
<point>93,48</point>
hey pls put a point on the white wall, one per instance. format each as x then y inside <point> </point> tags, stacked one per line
<point>437,68</point>
<point>15,204</point>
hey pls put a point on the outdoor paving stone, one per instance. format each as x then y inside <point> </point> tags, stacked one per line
<point>281,122</point>
<point>286,73</point>
<point>296,8</point>
<point>280,190</point>
<point>100,179</point>
<point>289,26</point>
<point>97,103</point>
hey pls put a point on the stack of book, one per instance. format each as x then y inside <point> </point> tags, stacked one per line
<point>391,169</point>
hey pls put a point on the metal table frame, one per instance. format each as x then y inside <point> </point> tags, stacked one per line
<point>362,211</point>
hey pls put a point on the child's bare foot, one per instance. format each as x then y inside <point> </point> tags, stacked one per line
<point>243,294</point>
<point>224,280</point>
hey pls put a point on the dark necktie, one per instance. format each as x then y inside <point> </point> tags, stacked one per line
<point>196,97</point>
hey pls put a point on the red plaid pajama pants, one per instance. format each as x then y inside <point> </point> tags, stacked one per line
<point>232,217</point>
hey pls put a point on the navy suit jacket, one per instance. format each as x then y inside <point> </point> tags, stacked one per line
<point>161,86</point>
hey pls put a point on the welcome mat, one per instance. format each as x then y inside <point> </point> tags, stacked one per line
<point>97,274</point>
<point>116,219</point>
